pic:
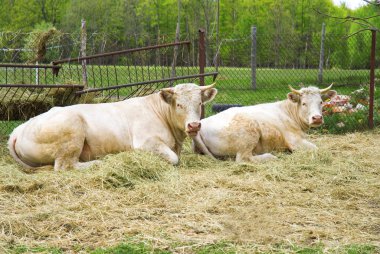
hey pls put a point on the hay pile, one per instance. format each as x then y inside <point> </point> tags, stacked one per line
<point>37,42</point>
<point>331,197</point>
<point>24,103</point>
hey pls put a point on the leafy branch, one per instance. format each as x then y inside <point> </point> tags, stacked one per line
<point>361,21</point>
<point>375,2</point>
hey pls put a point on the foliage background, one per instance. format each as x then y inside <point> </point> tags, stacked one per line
<point>115,24</point>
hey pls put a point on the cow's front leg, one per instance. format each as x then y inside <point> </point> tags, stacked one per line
<point>308,145</point>
<point>301,144</point>
<point>86,165</point>
<point>264,157</point>
<point>168,154</point>
<point>160,148</point>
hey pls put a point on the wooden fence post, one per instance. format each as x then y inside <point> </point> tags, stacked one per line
<point>202,61</point>
<point>175,54</point>
<point>372,80</point>
<point>37,75</point>
<point>253,56</point>
<point>321,55</point>
<point>83,42</point>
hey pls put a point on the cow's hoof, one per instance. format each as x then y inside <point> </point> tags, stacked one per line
<point>264,157</point>
<point>86,165</point>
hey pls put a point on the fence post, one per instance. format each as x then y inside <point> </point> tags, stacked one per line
<point>175,54</point>
<point>202,61</point>
<point>216,62</point>
<point>372,81</point>
<point>37,75</point>
<point>253,57</point>
<point>83,42</point>
<point>321,55</point>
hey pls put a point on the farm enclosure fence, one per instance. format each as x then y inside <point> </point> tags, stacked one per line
<point>279,61</point>
<point>113,76</point>
<point>258,68</point>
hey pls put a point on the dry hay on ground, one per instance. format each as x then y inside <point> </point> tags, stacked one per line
<point>330,197</point>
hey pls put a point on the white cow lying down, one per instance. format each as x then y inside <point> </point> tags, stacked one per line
<point>251,132</point>
<point>70,137</point>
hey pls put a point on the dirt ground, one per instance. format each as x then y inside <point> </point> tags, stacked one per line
<point>329,197</point>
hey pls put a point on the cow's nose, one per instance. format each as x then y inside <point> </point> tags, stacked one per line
<point>317,119</point>
<point>194,126</point>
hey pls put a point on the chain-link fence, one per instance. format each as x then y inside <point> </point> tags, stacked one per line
<point>255,69</point>
<point>29,90</point>
<point>259,68</point>
<point>49,45</point>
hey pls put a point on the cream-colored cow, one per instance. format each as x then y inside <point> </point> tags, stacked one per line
<point>75,136</point>
<point>250,133</point>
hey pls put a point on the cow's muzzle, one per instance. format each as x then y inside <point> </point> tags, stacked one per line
<point>193,128</point>
<point>316,120</point>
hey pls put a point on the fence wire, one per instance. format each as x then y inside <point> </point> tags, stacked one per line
<point>290,60</point>
<point>279,61</point>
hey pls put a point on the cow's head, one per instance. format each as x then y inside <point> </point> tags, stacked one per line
<point>185,101</point>
<point>309,100</point>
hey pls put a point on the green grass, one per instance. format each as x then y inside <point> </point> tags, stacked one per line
<point>216,248</point>
<point>6,127</point>
<point>272,84</point>
<point>130,248</point>
<point>24,249</point>
<point>229,77</point>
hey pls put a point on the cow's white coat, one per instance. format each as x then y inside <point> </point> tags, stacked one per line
<point>250,133</point>
<point>75,136</point>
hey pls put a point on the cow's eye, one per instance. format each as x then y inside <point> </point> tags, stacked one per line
<point>179,105</point>
<point>304,104</point>
<point>200,103</point>
<point>321,103</point>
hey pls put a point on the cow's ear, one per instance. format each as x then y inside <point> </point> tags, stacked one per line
<point>329,94</point>
<point>294,97</point>
<point>167,94</point>
<point>209,94</point>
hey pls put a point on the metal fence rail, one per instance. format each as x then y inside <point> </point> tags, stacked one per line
<point>29,90</point>
<point>133,72</point>
<point>105,77</point>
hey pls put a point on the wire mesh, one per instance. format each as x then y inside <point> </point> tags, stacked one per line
<point>21,102</point>
<point>128,73</point>
<point>106,77</point>
<point>293,60</point>
<point>281,60</point>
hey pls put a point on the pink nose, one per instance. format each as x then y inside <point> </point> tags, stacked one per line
<point>317,119</point>
<point>194,126</point>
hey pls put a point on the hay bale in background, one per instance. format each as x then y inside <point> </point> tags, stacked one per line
<point>22,103</point>
<point>36,42</point>
<point>25,103</point>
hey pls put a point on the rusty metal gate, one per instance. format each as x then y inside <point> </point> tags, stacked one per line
<point>29,90</point>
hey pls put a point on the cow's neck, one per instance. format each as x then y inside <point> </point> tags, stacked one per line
<point>293,112</point>
<point>166,114</point>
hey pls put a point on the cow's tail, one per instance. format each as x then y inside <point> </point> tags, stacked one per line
<point>12,150</point>
<point>200,147</point>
